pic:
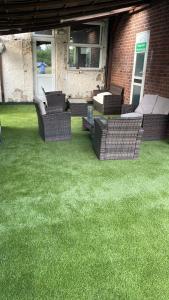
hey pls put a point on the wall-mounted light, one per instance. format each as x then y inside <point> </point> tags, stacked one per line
<point>60,31</point>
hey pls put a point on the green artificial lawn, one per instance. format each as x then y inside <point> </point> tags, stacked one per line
<point>73,227</point>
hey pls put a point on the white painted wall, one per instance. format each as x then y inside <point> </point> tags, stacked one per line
<point>77,83</point>
<point>18,68</point>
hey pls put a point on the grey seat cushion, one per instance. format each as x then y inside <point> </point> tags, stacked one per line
<point>132,115</point>
<point>147,104</point>
<point>100,97</point>
<point>161,106</point>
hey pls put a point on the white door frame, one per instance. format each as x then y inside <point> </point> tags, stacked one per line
<point>140,37</point>
<point>43,38</point>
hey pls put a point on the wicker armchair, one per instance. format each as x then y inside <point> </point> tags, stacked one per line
<point>51,92</point>
<point>110,104</point>
<point>117,138</point>
<point>156,126</point>
<point>55,101</point>
<point>54,126</point>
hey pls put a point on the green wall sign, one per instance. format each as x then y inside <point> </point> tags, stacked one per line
<point>141,47</point>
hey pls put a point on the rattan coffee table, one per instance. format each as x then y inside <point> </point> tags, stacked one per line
<point>88,124</point>
<point>78,107</point>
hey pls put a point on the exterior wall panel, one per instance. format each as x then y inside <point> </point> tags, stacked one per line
<point>18,68</point>
<point>155,19</point>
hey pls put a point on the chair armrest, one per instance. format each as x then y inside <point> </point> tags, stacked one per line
<point>156,119</point>
<point>140,134</point>
<point>156,115</point>
<point>98,129</point>
<point>98,122</point>
<point>128,108</point>
<point>53,93</point>
<point>99,136</point>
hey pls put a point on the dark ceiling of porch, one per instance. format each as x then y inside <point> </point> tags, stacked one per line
<point>23,16</point>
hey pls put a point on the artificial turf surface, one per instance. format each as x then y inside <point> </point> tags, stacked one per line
<point>73,227</point>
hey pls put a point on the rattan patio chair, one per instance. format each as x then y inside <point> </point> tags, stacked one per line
<point>117,139</point>
<point>54,126</point>
<point>56,101</point>
<point>108,104</point>
<point>51,92</point>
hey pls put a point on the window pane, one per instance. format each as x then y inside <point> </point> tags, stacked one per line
<point>138,81</point>
<point>72,56</point>
<point>85,34</point>
<point>83,57</point>
<point>136,94</point>
<point>44,32</point>
<point>44,59</point>
<point>139,64</point>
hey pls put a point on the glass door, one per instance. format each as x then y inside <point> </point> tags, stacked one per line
<point>44,65</point>
<point>139,69</point>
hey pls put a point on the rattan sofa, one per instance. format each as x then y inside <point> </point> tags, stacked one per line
<point>108,101</point>
<point>117,139</point>
<point>154,112</point>
<point>54,126</point>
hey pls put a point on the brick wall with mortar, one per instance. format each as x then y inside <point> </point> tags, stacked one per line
<point>156,19</point>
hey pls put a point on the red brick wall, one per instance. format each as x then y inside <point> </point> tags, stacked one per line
<point>155,19</point>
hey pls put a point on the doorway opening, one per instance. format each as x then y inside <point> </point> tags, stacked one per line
<point>43,64</point>
<point>139,68</point>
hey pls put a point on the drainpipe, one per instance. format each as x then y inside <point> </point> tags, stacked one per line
<point>113,23</point>
<point>2,49</point>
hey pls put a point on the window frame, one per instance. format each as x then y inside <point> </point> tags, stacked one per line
<point>44,35</point>
<point>100,46</point>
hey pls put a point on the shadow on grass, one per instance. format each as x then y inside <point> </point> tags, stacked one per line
<point>13,137</point>
<point>16,108</point>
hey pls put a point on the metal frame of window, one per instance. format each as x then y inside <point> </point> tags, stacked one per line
<point>100,46</point>
<point>133,83</point>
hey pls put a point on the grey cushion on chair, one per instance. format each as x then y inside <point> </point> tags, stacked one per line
<point>41,106</point>
<point>147,104</point>
<point>132,115</point>
<point>162,106</point>
<point>100,97</point>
